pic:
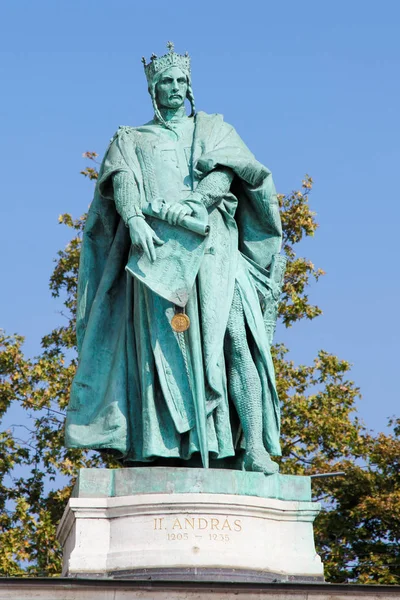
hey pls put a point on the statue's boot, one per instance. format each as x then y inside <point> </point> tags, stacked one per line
<point>260,461</point>
<point>245,390</point>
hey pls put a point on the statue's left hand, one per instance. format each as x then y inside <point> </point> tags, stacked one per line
<point>176,212</point>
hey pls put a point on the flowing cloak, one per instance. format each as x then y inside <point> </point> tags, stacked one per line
<point>131,393</point>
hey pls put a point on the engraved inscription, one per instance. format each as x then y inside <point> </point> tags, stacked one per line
<point>219,529</point>
<point>158,523</point>
<point>177,536</point>
<point>219,537</point>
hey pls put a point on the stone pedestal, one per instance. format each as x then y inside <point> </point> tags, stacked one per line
<point>214,525</point>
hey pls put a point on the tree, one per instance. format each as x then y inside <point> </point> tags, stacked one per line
<point>358,532</point>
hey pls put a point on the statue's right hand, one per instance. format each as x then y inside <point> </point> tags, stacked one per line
<point>144,237</point>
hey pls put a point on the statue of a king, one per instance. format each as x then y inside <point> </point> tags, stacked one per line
<point>179,282</point>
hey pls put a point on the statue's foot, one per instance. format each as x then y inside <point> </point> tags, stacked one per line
<point>260,461</point>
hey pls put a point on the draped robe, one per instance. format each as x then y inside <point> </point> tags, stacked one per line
<point>133,393</point>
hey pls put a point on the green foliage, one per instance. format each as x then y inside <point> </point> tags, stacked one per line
<point>358,532</point>
<point>297,221</point>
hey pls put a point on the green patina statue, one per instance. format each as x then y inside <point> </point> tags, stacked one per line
<point>179,282</point>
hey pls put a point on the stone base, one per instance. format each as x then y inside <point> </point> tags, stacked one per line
<point>57,588</point>
<point>195,535</point>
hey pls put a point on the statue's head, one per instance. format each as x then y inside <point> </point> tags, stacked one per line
<point>169,80</point>
<point>171,88</point>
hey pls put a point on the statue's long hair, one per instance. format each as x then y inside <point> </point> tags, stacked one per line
<point>157,113</point>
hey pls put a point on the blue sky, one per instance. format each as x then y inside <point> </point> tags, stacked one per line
<point>312,87</point>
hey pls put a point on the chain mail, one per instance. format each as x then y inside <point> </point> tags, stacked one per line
<point>125,195</point>
<point>214,185</point>
<point>243,379</point>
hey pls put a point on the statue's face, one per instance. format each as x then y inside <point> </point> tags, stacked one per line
<point>171,88</point>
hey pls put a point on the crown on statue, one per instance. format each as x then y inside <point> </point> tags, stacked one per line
<point>171,59</point>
